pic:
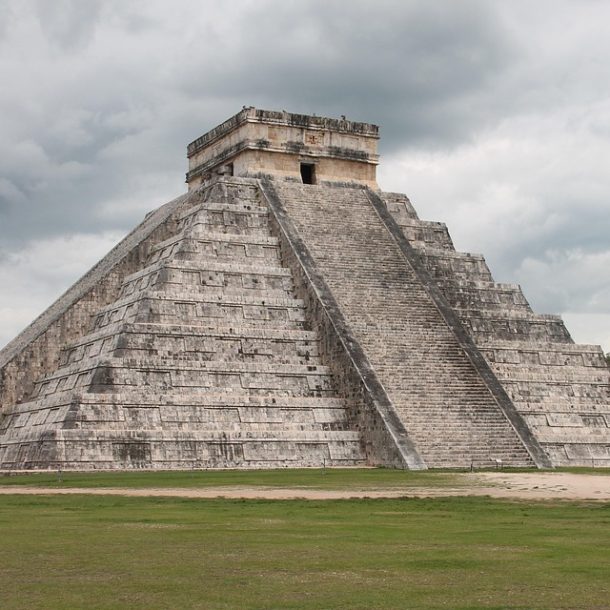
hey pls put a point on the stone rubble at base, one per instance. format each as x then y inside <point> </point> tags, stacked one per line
<point>259,322</point>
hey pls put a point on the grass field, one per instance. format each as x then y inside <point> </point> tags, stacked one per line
<point>104,552</point>
<point>314,478</point>
<point>339,478</point>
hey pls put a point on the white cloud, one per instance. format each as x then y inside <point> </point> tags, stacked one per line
<point>590,329</point>
<point>531,194</point>
<point>33,277</point>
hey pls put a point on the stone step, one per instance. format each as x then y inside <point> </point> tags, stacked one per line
<point>206,272</point>
<point>229,296</point>
<point>202,308</point>
<point>547,354</point>
<point>463,446</point>
<point>398,205</point>
<point>444,456</point>
<point>231,219</point>
<point>148,423</point>
<point>549,346</point>
<point>453,427</point>
<point>233,190</point>
<point>575,434</point>
<point>581,454</point>
<point>228,347</point>
<point>227,425</point>
<point>560,419</point>
<point>180,339</point>
<point>535,318</point>
<point>553,374</point>
<point>477,461</point>
<point>257,229</point>
<point>220,238</point>
<point>212,276</point>
<point>543,392</point>
<point>183,452</point>
<point>220,246</point>
<point>223,206</point>
<point>230,376</point>
<point>190,403</point>
<point>260,315</point>
<point>587,403</point>
<point>216,398</point>
<point>444,263</point>
<point>464,299</point>
<point>423,234</point>
<point>512,324</point>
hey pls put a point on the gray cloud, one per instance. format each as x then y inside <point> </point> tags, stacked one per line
<point>110,87</point>
<point>494,116</point>
<point>410,66</point>
<point>70,24</point>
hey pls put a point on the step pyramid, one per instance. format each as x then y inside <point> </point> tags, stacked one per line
<point>205,359</point>
<point>287,312</point>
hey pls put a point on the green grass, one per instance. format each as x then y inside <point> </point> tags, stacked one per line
<point>601,472</point>
<point>313,478</point>
<point>339,478</point>
<point>104,552</point>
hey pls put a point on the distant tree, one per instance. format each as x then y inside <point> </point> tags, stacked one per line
<point>608,358</point>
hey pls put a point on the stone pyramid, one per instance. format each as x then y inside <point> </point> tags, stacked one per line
<point>205,359</point>
<point>286,312</point>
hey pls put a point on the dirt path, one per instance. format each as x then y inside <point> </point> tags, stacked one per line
<point>547,485</point>
<point>532,486</point>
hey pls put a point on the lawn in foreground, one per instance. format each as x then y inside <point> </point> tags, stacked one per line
<point>306,478</point>
<point>118,552</point>
<point>316,478</point>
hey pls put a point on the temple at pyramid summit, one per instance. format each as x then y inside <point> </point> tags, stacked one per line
<point>286,312</point>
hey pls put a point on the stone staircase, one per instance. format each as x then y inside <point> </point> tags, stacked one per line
<point>561,389</point>
<point>205,360</point>
<point>440,397</point>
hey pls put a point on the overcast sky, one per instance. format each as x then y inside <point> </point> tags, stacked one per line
<point>494,117</point>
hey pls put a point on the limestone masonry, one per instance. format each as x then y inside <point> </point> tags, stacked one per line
<point>286,312</point>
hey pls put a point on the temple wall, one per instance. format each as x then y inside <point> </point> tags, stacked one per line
<point>263,143</point>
